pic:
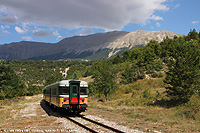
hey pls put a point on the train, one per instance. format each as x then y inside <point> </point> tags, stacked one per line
<point>68,95</point>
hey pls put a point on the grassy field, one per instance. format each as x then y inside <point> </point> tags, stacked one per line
<point>143,105</point>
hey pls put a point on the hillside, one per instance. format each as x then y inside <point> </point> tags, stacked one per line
<point>138,38</point>
<point>94,47</point>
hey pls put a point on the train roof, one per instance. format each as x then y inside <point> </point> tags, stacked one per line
<point>66,83</point>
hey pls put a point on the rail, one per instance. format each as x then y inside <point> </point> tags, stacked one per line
<point>92,121</point>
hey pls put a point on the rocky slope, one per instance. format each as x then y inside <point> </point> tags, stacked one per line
<point>138,38</point>
<point>94,46</point>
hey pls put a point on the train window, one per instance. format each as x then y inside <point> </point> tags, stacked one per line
<point>65,90</point>
<point>74,90</point>
<point>54,91</point>
<point>83,91</point>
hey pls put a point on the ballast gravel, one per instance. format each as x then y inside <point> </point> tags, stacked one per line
<point>113,124</point>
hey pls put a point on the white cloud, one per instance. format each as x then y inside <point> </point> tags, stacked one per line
<point>7,26</point>
<point>176,6</point>
<point>3,9</point>
<point>19,30</point>
<point>195,22</point>
<point>106,14</point>
<point>5,32</point>
<point>55,33</point>
<point>4,29</point>
<point>27,38</point>
<point>158,24</point>
<point>156,17</point>
<point>59,37</point>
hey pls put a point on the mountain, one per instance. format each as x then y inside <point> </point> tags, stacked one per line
<point>93,47</point>
<point>138,38</point>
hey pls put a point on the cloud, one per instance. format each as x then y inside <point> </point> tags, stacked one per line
<point>176,6</point>
<point>27,38</point>
<point>41,33</point>
<point>106,14</point>
<point>5,32</point>
<point>158,24</point>
<point>59,37</point>
<point>3,9</point>
<point>19,30</point>
<point>4,27</point>
<point>55,33</point>
<point>85,31</point>
<point>8,19</point>
<point>156,17</point>
<point>195,22</point>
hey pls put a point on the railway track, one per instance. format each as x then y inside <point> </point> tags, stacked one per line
<point>91,125</point>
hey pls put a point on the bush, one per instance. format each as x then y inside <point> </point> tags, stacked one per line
<point>147,94</point>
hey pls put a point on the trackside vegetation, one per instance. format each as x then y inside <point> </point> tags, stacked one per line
<point>11,85</point>
<point>20,78</point>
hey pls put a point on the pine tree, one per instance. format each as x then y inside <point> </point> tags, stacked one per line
<point>10,84</point>
<point>183,70</point>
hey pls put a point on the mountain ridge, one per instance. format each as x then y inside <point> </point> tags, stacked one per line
<point>95,46</point>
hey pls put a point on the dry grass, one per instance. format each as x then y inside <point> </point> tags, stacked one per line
<point>28,115</point>
<point>141,106</point>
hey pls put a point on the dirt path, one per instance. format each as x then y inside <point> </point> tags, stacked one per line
<point>33,115</point>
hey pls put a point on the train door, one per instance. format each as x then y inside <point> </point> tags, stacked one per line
<point>74,92</point>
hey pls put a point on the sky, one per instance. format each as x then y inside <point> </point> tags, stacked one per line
<point>52,20</point>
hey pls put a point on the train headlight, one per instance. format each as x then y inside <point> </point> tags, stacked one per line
<point>65,99</point>
<point>83,99</point>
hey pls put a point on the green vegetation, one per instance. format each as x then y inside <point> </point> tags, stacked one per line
<point>183,69</point>
<point>29,77</point>
<point>10,84</point>
<point>104,82</point>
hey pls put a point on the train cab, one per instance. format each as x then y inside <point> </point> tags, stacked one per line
<point>70,95</point>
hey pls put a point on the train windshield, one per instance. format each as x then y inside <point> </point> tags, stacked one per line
<point>64,90</point>
<point>83,90</point>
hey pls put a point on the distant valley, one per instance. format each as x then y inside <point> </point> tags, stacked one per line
<point>91,47</point>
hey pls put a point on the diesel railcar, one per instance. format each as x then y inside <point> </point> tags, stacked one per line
<point>70,95</point>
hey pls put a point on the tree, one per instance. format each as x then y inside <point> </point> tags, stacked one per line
<point>104,82</point>
<point>183,70</point>
<point>192,35</point>
<point>10,84</point>
<point>131,73</point>
<point>117,59</point>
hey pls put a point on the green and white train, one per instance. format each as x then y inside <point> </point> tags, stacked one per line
<point>70,95</point>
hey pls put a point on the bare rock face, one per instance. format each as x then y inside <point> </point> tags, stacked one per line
<point>96,46</point>
<point>139,37</point>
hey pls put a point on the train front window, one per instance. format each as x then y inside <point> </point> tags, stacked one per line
<point>83,90</point>
<point>74,90</point>
<point>65,90</point>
